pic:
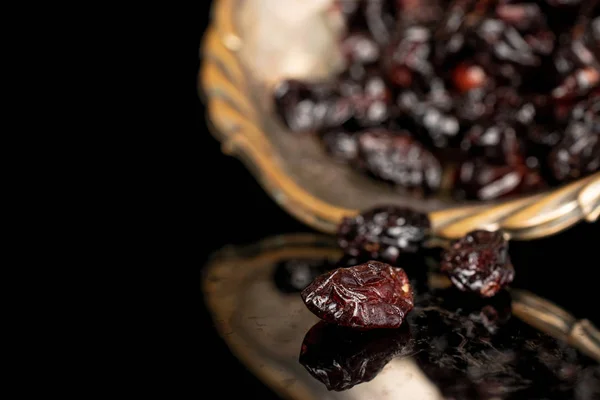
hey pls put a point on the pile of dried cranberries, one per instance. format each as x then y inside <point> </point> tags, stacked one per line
<point>479,99</point>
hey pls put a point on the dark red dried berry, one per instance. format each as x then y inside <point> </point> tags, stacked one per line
<point>478,179</point>
<point>409,56</point>
<point>400,159</point>
<point>342,358</point>
<point>360,48</point>
<point>311,107</point>
<point>370,99</point>
<point>383,233</point>
<point>498,143</point>
<point>479,262</point>
<point>368,296</point>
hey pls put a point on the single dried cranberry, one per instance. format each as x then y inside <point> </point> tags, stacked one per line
<point>409,56</point>
<point>431,114</point>
<point>381,19</point>
<point>342,358</point>
<point>523,16</point>
<point>498,143</point>
<point>478,179</point>
<point>400,159</point>
<point>578,154</point>
<point>306,108</point>
<point>479,262</point>
<point>383,233</point>
<point>370,99</point>
<point>367,296</point>
<point>360,48</point>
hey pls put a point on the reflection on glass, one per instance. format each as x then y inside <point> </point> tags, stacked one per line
<point>472,349</point>
<point>453,346</point>
<point>342,358</point>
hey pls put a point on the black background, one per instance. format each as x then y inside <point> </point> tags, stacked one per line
<point>561,268</point>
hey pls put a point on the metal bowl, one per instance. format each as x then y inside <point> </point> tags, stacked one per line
<point>249,47</point>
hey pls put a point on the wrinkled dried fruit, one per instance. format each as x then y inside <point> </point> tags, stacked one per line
<point>578,154</point>
<point>342,358</point>
<point>398,158</point>
<point>308,108</point>
<point>479,262</point>
<point>480,180</point>
<point>490,88</point>
<point>368,296</point>
<point>383,233</point>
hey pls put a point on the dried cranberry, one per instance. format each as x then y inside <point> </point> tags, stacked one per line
<point>367,296</point>
<point>431,114</point>
<point>383,233</point>
<point>380,16</point>
<point>498,143</point>
<point>409,56</point>
<point>578,154</point>
<point>400,159</point>
<point>342,358</point>
<point>479,262</point>
<point>306,108</point>
<point>370,99</point>
<point>360,48</point>
<point>478,179</point>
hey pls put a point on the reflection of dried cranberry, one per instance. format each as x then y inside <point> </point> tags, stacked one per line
<point>342,358</point>
<point>456,349</point>
<point>367,296</point>
<point>479,262</point>
<point>400,159</point>
<point>383,233</point>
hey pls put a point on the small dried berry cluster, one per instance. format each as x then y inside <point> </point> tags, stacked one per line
<point>378,295</point>
<point>501,96</point>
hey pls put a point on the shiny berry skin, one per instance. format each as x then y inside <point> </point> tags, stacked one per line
<point>383,233</point>
<point>367,296</point>
<point>480,180</point>
<point>479,262</point>
<point>311,107</point>
<point>578,154</point>
<point>400,159</point>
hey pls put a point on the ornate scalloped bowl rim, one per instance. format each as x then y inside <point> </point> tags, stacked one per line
<point>221,82</point>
